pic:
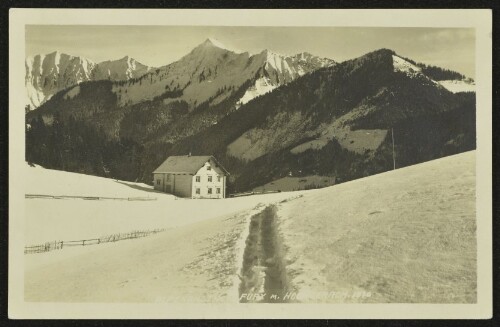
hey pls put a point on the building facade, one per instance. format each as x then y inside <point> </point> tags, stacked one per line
<point>197,177</point>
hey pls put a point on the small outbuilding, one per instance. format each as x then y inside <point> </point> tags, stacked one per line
<point>197,177</point>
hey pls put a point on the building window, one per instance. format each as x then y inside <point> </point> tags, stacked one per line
<point>197,191</point>
<point>209,178</point>
<point>158,182</point>
<point>168,177</point>
<point>209,168</point>
<point>218,190</point>
<point>198,178</point>
<point>218,178</point>
<point>209,190</point>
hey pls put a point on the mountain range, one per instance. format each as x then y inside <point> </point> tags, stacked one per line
<point>264,116</point>
<point>210,62</point>
<point>56,71</point>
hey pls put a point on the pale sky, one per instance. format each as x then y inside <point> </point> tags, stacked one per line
<point>452,48</point>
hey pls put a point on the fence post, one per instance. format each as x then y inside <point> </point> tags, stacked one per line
<point>55,245</point>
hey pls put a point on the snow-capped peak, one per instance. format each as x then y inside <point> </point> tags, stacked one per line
<point>272,56</point>
<point>303,56</point>
<point>271,53</point>
<point>275,60</point>
<point>216,43</point>
<point>282,69</point>
<point>48,74</point>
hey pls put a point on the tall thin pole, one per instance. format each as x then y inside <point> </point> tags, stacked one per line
<point>393,154</point>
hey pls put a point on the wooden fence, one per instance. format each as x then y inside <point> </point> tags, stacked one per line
<point>237,195</point>
<point>45,196</point>
<point>57,245</point>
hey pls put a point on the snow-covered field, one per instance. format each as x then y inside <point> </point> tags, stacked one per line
<point>196,263</point>
<point>195,259</point>
<point>76,219</point>
<point>402,236</point>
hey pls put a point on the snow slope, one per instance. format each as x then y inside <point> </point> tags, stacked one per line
<point>196,259</point>
<point>58,182</point>
<point>404,236</point>
<point>261,86</point>
<point>281,69</point>
<point>196,263</point>
<point>401,236</point>
<point>75,219</point>
<point>401,65</point>
<point>456,86</point>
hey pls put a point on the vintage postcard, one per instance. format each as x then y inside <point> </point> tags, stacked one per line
<point>250,164</point>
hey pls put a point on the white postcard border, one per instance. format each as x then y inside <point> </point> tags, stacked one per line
<point>480,19</point>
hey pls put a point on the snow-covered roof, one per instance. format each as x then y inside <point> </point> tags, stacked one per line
<point>185,164</point>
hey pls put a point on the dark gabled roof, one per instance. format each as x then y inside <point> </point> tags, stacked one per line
<point>185,164</point>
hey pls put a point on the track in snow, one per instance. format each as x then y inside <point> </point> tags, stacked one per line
<point>263,275</point>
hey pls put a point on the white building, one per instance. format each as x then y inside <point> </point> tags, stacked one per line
<point>197,177</point>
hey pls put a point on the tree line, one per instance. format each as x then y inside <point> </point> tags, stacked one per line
<point>72,145</point>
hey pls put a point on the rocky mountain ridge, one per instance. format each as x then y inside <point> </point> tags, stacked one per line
<point>48,74</point>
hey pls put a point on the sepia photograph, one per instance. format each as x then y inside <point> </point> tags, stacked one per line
<point>224,164</point>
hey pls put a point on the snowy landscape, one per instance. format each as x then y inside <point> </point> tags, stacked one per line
<point>231,175</point>
<point>405,236</point>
